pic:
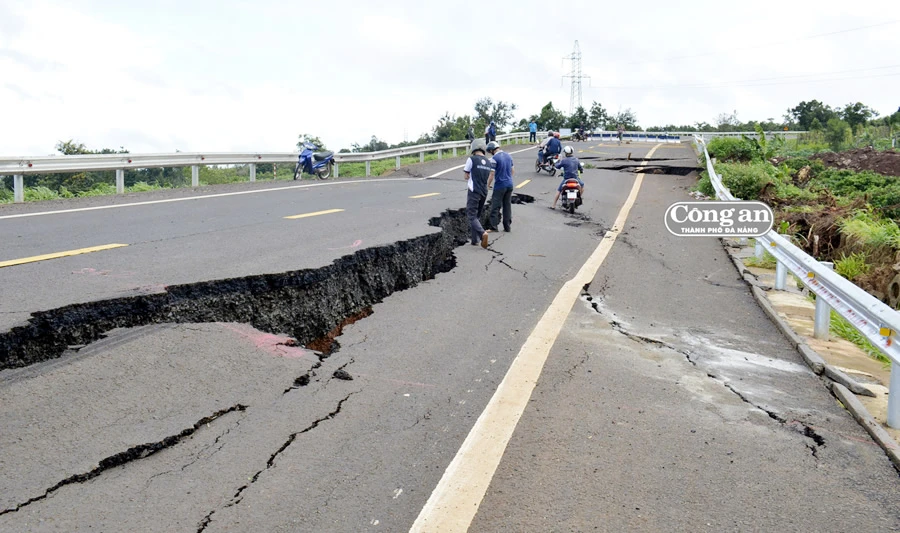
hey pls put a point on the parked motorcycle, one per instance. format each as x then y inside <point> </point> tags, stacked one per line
<point>318,164</point>
<point>548,166</point>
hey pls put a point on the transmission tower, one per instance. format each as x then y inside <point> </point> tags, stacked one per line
<point>576,77</point>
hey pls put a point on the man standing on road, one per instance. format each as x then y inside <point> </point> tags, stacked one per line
<point>492,131</point>
<point>503,187</point>
<point>470,135</point>
<point>532,132</point>
<point>479,172</point>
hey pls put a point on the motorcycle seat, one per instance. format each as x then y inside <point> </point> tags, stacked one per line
<point>321,156</point>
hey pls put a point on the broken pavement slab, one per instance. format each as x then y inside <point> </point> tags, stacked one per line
<point>845,363</point>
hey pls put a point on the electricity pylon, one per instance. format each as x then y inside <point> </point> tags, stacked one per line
<point>576,77</point>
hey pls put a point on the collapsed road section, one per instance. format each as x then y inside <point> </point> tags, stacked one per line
<point>306,304</point>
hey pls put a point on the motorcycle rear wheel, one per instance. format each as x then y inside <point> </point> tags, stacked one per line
<point>324,173</point>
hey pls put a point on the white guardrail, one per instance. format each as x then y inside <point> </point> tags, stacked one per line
<point>878,322</point>
<point>18,167</point>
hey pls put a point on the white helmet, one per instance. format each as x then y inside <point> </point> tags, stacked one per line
<point>569,151</point>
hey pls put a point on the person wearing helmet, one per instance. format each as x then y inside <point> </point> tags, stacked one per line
<point>552,148</point>
<point>503,187</point>
<point>571,167</point>
<point>479,172</point>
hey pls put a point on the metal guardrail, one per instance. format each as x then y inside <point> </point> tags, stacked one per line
<point>19,167</point>
<point>876,321</point>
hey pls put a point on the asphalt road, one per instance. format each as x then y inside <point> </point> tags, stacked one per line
<point>671,405</point>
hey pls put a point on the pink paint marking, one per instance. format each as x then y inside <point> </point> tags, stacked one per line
<point>354,245</point>
<point>278,345</point>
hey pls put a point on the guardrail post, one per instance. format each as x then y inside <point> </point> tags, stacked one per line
<point>336,173</point>
<point>398,162</point>
<point>759,250</point>
<point>195,176</point>
<point>368,168</point>
<point>120,181</point>
<point>440,154</point>
<point>893,410</point>
<point>454,151</point>
<point>421,157</point>
<point>252,171</point>
<point>822,324</point>
<point>780,276</point>
<point>18,188</point>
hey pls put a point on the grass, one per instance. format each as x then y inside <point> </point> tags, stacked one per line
<point>872,231</point>
<point>841,328</point>
<point>852,266</point>
<point>767,261</point>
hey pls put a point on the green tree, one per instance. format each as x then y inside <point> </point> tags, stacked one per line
<point>500,112</point>
<point>597,117</point>
<point>550,118</point>
<point>857,115</point>
<point>374,145</point>
<point>804,113</point>
<point>728,122</point>
<point>627,118</point>
<point>451,128</point>
<point>837,133</point>
<point>579,118</point>
<point>307,138</point>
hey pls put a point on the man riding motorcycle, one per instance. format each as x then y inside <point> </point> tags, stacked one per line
<point>571,167</point>
<point>550,147</point>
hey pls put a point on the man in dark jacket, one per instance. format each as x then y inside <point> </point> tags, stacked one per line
<point>479,172</point>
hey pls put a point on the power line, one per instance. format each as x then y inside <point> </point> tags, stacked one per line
<point>576,77</point>
<point>766,45</point>
<point>755,82</point>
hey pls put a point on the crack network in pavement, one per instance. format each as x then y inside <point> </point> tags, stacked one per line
<point>132,454</point>
<point>795,425</point>
<point>236,499</point>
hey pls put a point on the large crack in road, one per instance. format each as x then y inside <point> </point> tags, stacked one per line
<point>306,304</point>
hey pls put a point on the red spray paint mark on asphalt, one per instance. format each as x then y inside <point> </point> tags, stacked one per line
<point>354,245</point>
<point>277,345</point>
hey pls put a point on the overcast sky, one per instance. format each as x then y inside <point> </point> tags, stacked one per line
<point>233,75</point>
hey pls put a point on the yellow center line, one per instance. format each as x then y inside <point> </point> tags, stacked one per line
<point>455,500</point>
<point>57,255</point>
<point>326,212</point>
<point>425,195</point>
<point>524,183</point>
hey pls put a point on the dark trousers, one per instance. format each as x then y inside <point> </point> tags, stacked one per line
<point>532,136</point>
<point>474,212</point>
<point>501,198</point>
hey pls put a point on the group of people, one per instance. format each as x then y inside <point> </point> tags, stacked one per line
<point>498,170</point>
<point>481,172</point>
<point>490,133</point>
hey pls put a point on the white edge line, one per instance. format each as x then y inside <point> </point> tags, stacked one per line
<point>219,195</point>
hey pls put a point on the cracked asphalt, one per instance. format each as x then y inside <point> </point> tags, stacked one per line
<point>669,402</point>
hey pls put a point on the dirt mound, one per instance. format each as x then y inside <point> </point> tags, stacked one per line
<point>885,162</point>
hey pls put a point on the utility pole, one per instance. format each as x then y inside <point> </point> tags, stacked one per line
<point>576,77</point>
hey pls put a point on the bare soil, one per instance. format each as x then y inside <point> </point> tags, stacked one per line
<point>885,162</point>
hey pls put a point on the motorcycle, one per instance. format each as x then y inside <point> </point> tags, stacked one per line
<point>570,196</point>
<point>548,166</point>
<point>579,136</point>
<point>318,164</point>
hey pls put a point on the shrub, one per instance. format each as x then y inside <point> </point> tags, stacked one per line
<point>746,181</point>
<point>143,186</point>
<point>705,185</point>
<point>871,230</point>
<point>730,149</point>
<point>37,194</point>
<point>99,189</point>
<point>852,266</point>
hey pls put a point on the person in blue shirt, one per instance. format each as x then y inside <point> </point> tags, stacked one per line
<point>570,167</point>
<point>503,187</point>
<point>492,131</point>
<point>532,132</point>
<point>553,147</point>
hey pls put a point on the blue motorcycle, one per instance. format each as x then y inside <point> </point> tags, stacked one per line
<point>317,164</point>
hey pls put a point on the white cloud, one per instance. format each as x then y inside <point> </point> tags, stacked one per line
<point>237,75</point>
